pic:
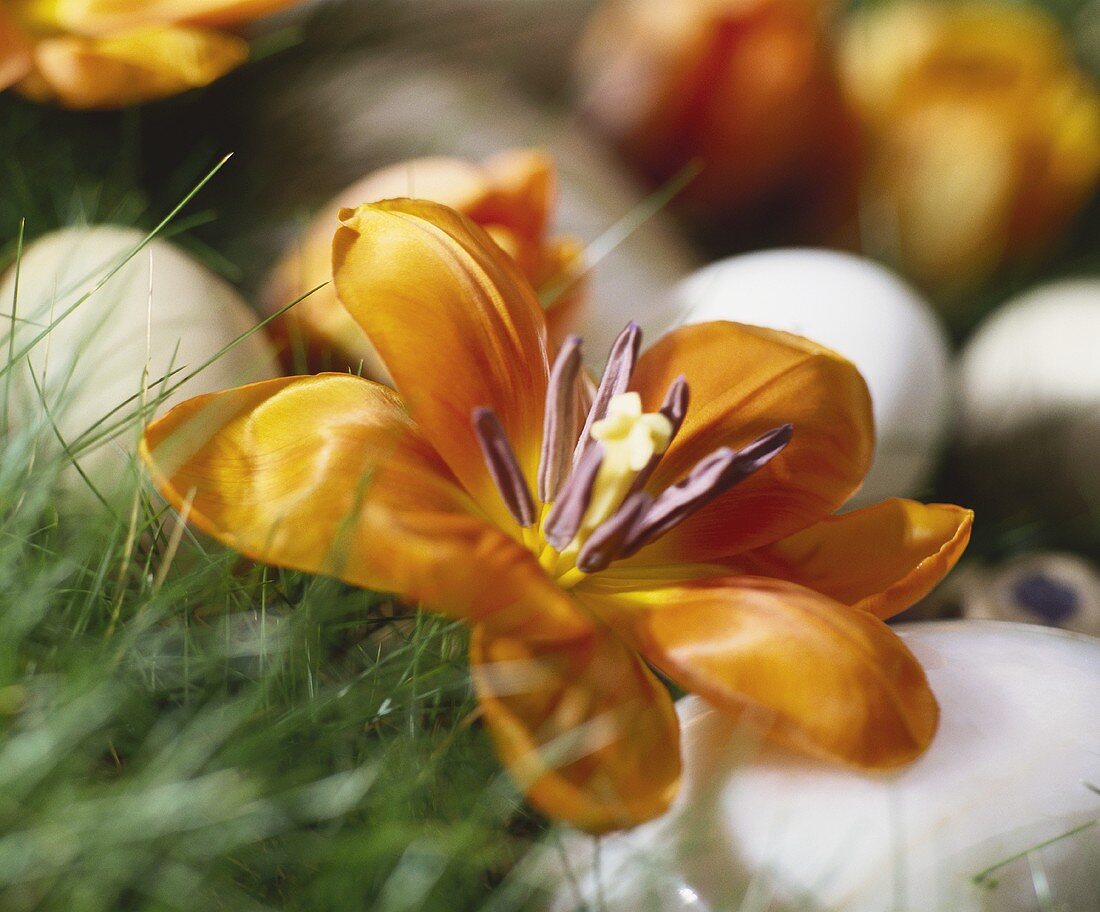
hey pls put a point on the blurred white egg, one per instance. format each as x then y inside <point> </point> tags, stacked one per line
<point>1050,588</point>
<point>1029,398</point>
<point>156,320</point>
<point>865,313</point>
<point>1001,814</point>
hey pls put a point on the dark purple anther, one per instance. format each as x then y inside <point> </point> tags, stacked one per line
<point>709,480</point>
<point>675,406</point>
<point>616,378</point>
<point>565,516</point>
<point>604,545</point>
<point>559,430</point>
<point>503,466</point>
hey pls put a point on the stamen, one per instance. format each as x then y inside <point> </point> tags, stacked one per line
<point>503,466</point>
<point>564,518</point>
<point>674,408</point>
<point>616,378</point>
<point>604,544</point>
<point>559,432</point>
<point>710,479</point>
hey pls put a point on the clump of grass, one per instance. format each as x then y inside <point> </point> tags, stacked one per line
<point>182,729</point>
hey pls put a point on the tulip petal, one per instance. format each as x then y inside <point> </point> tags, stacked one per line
<point>881,559</point>
<point>456,324</point>
<point>745,381</point>
<point>585,728</point>
<point>823,678</point>
<point>327,475</point>
<point>131,67</point>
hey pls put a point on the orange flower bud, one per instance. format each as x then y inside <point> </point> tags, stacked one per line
<point>986,135</point>
<point>745,89</point>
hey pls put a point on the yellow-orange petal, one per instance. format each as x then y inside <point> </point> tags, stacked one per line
<point>881,559</point>
<point>328,475</point>
<point>104,17</point>
<point>584,727</point>
<point>820,676</point>
<point>746,380</point>
<point>456,324</point>
<point>129,68</point>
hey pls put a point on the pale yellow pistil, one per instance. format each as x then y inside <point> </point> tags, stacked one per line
<point>630,438</point>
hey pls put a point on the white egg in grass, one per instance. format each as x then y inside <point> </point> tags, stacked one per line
<point>157,319</point>
<point>865,313</point>
<point>1029,399</point>
<point>1001,814</point>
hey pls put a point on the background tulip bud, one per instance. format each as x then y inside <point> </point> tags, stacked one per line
<point>986,135</point>
<point>745,89</point>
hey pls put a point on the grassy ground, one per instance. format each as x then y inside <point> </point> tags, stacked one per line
<point>181,729</point>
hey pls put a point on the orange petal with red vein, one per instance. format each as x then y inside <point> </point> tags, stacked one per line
<point>584,727</point>
<point>129,68</point>
<point>821,677</point>
<point>328,475</point>
<point>744,381</point>
<point>880,559</point>
<point>456,324</point>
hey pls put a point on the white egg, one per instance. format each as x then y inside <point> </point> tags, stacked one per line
<point>1035,356</point>
<point>155,321</point>
<point>1029,395</point>
<point>865,313</point>
<point>1001,814</point>
<point>1050,588</point>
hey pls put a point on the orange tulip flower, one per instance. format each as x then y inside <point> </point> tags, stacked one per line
<point>985,135</point>
<point>511,196</point>
<point>744,89</point>
<point>590,535</point>
<point>114,53</point>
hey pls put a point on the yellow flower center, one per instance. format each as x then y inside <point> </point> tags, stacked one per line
<point>630,439</point>
<point>590,507</point>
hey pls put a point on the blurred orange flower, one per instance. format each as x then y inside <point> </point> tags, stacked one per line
<point>114,53</point>
<point>587,534</point>
<point>744,88</point>
<point>986,135</point>
<point>511,196</point>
